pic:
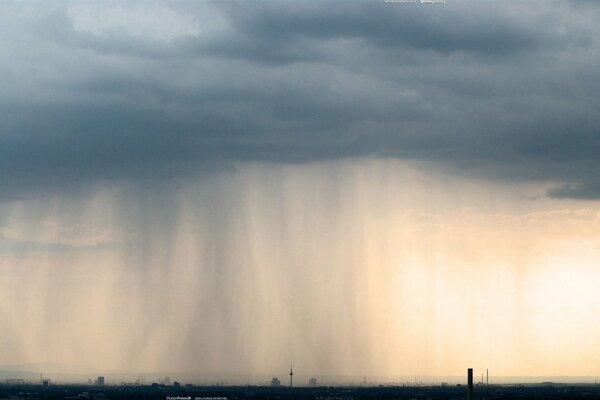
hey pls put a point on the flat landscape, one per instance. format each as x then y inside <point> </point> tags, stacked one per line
<point>534,391</point>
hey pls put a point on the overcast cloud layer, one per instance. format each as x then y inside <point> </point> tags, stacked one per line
<point>137,91</point>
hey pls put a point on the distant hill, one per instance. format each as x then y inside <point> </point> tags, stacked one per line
<point>32,371</point>
<point>50,368</point>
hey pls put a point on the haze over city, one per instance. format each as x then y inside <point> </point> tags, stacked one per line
<point>355,188</point>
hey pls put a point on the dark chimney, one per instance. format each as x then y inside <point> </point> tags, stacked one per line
<point>470,384</point>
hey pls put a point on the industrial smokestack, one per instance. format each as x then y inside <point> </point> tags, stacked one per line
<point>470,384</point>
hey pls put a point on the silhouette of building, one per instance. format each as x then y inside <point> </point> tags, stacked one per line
<point>470,384</point>
<point>312,382</point>
<point>275,382</point>
<point>100,381</point>
<point>291,375</point>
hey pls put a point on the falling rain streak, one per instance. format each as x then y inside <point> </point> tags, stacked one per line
<point>343,268</point>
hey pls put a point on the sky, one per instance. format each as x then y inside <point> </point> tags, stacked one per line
<point>358,188</point>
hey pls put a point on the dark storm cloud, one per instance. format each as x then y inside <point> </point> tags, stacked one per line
<point>502,90</point>
<point>382,25</point>
<point>587,190</point>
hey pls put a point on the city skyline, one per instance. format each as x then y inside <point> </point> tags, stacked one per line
<point>380,189</point>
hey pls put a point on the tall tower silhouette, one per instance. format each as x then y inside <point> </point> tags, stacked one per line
<point>470,384</point>
<point>291,375</point>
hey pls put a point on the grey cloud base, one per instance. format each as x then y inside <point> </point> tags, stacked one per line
<point>500,90</point>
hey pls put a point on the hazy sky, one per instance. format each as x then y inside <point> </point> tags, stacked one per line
<point>358,188</point>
